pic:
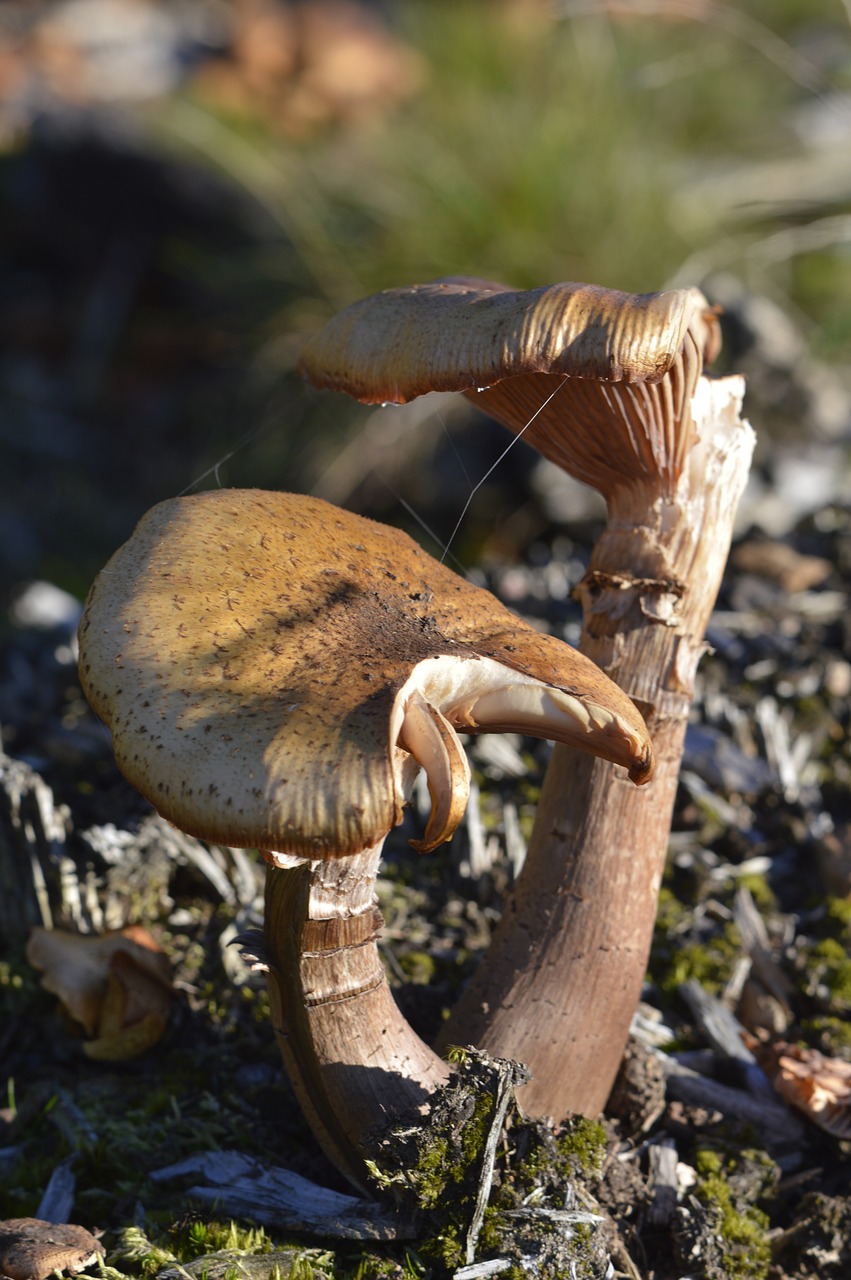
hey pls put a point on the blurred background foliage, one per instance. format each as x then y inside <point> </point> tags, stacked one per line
<point>189,188</point>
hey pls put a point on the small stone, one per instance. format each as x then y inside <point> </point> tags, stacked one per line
<point>837,678</point>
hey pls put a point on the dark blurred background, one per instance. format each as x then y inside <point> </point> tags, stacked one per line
<point>189,188</point>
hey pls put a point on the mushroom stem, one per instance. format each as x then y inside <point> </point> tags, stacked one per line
<point>565,969</point>
<point>354,1062</point>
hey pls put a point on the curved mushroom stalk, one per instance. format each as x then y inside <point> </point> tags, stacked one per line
<point>600,846</point>
<point>275,671</point>
<point>353,1060</point>
<point>610,387</point>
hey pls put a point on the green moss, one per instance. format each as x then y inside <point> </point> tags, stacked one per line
<point>760,890</point>
<point>418,967</point>
<point>741,1228</point>
<point>445,1248</point>
<point>830,965</point>
<point>441,1162</point>
<point>671,913</point>
<point>710,963</point>
<point>212,1237</point>
<point>581,1145</point>
<point>542,1162</point>
<point>838,911</point>
<point>457,1055</point>
<point>438,1164</point>
<point>430,1174</point>
<point>213,1250</point>
<point>475,1133</point>
<point>306,1266</point>
<point>825,969</point>
<point>373,1267</point>
<point>491,1234</point>
<point>833,1034</point>
<point>145,1257</point>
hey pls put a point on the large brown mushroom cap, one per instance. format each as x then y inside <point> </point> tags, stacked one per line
<point>598,380</point>
<point>267,662</point>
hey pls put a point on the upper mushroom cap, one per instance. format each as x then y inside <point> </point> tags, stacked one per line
<point>596,379</point>
<point>269,664</point>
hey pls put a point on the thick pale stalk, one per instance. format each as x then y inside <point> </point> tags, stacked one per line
<point>563,974</point>
<point>353,1060</point>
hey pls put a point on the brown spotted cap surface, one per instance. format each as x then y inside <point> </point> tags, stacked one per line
<point>32,1249</point>
<point>598,380</point>
<point>268,664</point>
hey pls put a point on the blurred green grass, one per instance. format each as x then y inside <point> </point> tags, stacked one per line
<point>550,143</point>
<point>635,144</point>
<point>556,142</point>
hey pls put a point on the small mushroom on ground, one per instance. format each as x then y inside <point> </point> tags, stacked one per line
<point>31,1249</point>
<point>275,671</point>
<point>610,387</point>
<point>818,1086</point>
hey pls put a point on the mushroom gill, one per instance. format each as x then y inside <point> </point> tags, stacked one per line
<point>544,712</point>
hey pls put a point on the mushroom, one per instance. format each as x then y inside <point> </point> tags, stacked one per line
<point>32,1249</point>
<point>275,671</point>
<point>609,386</point>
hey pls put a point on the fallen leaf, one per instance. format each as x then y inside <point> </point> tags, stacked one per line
<point>117,986</point>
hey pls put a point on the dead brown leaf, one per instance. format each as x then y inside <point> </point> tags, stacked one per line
<point>116,986</point>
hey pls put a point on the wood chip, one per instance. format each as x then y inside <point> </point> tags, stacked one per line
<point>242,1186</point>
<point>757,944</point>
<point>777,1126</point>
<point>782,564</point>
<point>662,1181</point>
